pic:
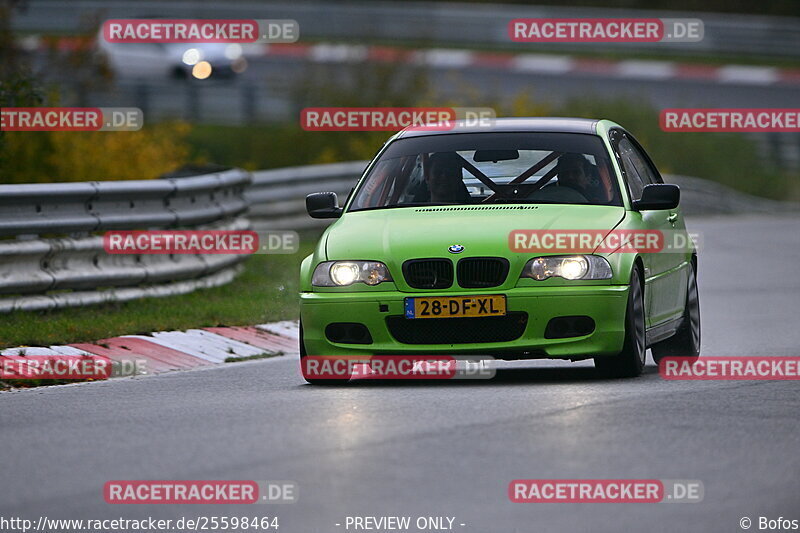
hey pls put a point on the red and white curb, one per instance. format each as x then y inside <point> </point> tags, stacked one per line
<point>166,351</point>
<point>527,63</point>
<point>519,62</point>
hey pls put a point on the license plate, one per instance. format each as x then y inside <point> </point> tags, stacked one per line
<point>455,306</point>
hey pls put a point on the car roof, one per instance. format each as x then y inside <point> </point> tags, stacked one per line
<point>538,124</point>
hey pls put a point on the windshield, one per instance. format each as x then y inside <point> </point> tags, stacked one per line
<point>485,168</point>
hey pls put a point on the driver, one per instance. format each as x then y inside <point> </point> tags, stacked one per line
<point>577,173</point>
<point>445,180</point>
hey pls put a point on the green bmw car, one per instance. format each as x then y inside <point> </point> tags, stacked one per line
<point>496,241</point>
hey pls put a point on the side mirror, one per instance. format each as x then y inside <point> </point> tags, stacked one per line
<point>658,196</point>
<point>323,205</point>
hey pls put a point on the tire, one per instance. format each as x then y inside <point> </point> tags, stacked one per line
<point>686,341</point>
<point>313,381</point>
<point>630,361</point>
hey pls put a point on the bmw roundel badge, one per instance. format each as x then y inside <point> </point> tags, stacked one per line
<point>455,249</point>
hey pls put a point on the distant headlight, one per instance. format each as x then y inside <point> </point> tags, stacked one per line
<point>233,51</point>
<point>202,70</point>
<point>192,56</point>
<point>568,267</point>
<point>344,273</point>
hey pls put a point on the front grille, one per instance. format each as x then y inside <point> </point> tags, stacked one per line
<point>348,333</point>
<point>482,272</point>
<point>470,330</point>
<point>428,273</point>
<point>562,327</point>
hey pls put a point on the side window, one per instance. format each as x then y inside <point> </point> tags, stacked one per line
<point>642,166</point>
<point>645,164</point>
<point>638,169</point>
<point>633,174</point>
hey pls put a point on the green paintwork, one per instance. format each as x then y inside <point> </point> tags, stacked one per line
<point>396,235</point>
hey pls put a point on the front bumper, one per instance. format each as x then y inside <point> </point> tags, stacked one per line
<point>605,304</point>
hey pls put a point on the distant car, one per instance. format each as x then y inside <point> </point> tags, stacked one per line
<point>419,260</point>
<point>179,60</point>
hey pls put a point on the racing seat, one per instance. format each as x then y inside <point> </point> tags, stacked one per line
<point>445,179</point>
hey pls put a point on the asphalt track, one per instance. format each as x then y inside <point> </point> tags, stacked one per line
<point>447,449</point>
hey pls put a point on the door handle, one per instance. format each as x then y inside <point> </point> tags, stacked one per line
<point>672,218</point>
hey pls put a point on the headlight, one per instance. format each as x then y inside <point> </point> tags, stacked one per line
<point>567,267</point>
<point>192,56</point>
<point>344,273</point>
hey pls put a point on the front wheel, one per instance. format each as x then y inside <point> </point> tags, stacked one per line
<point>686,341</point>
<point>312,380</point>
<point>630,361</point>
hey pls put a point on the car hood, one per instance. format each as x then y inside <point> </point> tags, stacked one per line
<point>396,235</point>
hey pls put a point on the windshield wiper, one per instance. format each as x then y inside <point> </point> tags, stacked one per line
<point>420,204</point>
<point>527,201</point>
<point>410,204</point>
<point>502,200</point>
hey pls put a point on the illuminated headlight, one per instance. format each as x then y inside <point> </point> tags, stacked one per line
<point>192,56</point>
<point>344,273</point>
<point>567,267</point>
<point>202,70</point>
<point>233,51</point>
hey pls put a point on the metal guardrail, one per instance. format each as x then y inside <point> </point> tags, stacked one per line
<point>51,256</point>
<point>277,197</point>
<point>704,197</point>
<point>474,23</point>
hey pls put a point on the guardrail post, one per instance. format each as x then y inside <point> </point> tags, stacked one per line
<point>249,103</point>
<point>142,98</point>
<point>192,101</point>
